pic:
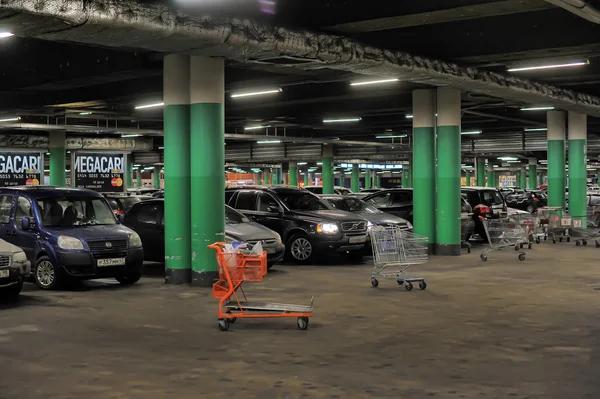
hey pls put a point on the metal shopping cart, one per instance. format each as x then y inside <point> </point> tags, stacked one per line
<point>394,250</point>
<point>234,269</point>
<point>586,228</point>
<point>504,234</point>
<point>530,224</point>
<point>559,223</point>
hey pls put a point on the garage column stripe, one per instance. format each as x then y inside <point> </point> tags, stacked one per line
<point>58,158</point>
<point>424,164</point>
<point>177,168</point>
<point>556,158</point>
<point>129,171</point>
<point>354,184</point>
<point>156,176</point>
<point>327,169</point>
<point>448,172</point>
<point>207,180</point>
<point>293,174</point>
<point>480,166</point>
<point>522,179</point>
<point>577,166</point>
<point>532,173</point>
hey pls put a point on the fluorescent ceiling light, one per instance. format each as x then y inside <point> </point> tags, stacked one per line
<point>342,120</point>
<point>6,34</point>
<point>319,163</point>
<point>268,141</point>
<point>536,108</point>
<point>507,158</point>
<point>373,82</point>
<point>256,127</point>
<point>150,106</point>
<point>301,163</point>
<point>513,161</point>
<point>536,129</point>
<point>408,116</point>
<point>471,132</point>
<point>256,93</point>
<point>551,66</point>
<point>399,136</point>
<point>85,113</point>
<point>10,119</point>
<point>130,135</point>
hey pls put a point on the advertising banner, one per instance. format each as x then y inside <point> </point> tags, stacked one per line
<point>20,169</point>
<point>103,172</point>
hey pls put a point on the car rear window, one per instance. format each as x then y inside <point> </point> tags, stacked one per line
<point>492,197</point>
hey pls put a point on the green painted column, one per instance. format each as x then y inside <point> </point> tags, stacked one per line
<point>355,184</point>
<point>409,175</point>
<point>448,171</point>
<point>156,176</point>
<point>278,176</point>
<point>522,179</point>
<point>424,193</point>
<point>556,158</point>
<point>138,176</point>
<point>578,167</point>
<point>540,179</point>
<point>468,178</point>
<point>491,177</point>
<point>480,166</point>
<point>367,179</point>
<point>306,177</point>
<point>532,173</point>
<point>129,172</point>
<point>265,177</point>
<point>207,147</point>
<point>293,174</point>
<point>177,168</point>
<point>58,158</point>
<point>327,168</point>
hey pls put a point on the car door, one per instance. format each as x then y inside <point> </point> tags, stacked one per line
<point>25,239</point>
<point>245,203</point>
<point>6,205</point>
<point>401,205</point>
<point>147,224</point>
<point>381,200</point>
<point>269,212</point>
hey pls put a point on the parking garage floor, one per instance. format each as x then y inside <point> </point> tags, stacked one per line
<point>502,329</point>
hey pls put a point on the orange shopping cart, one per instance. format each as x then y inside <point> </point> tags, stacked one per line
<point>234,269</point>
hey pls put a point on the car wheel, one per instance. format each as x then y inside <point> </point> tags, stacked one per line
<point>129,278</point>
<point>300,248</point>
<point>11,292</point>
<point>46,274</point>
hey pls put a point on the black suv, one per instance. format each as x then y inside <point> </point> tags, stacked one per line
<point>306,223</point>
<point>491,198</point>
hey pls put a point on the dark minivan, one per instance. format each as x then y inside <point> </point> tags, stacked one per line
<point>306,223</point>
<point>69,233</point>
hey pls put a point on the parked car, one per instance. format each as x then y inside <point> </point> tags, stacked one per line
<point>336,190</point>
<point>528,201</point>
<point>375,217</point>
<point>14,269</point>
<point>487,202</point>
<point>370,190</point>
<point>122,203</point>
<point>143,190</point>
<point>307,224</point>
<point>147,219</point>
<point>69,233</point>
<point>159,194</point>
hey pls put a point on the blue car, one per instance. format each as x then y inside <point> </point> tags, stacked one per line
<point>69,234</point>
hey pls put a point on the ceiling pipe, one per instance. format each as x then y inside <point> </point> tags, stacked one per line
<point>582,8</point>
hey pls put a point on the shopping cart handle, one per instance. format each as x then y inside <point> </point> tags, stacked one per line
<point>312,302</point>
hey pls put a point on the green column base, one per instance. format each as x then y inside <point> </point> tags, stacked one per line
<point>447,249</point>
<point>204,278</point>
<point>178,276</point>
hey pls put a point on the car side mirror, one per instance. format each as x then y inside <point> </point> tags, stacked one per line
<point>273,209</point>
<point>26,223</point>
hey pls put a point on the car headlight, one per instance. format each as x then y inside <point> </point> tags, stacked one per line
<point>19,257</point>
<point>369,226</point>
<point>327,228</point>
<point>66,242</point>
<point>409,225</point>
<point>134,240</point>
<point>277,237</point>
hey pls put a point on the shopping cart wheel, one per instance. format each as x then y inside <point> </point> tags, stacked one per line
<point>584,242</point>
<point>517,247</point>
<point>560,239</point>
<point>577,243</point>
<point>302,323</point>
<point>223,325</point>
<point>521,246</point>
<point>374,282</point>
<point>233,320</point>
<point>521,257</point>
<point>537,240</point>
<point>597,244</point>
<point>400,282</point>
<point>529,246</point>
<point>422,285</point>
<point>568,239</point>
<point>408,286</point>
<point>553,241</point>
<point>483,257</point>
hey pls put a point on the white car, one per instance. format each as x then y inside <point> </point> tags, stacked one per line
<point>14,269</point>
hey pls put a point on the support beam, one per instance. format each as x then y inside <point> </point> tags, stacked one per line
<point>556,158</point>
<point>532,173</point>
<point>327,169</point>
<point>177,168</point>
<point>367,179</point>
<point>578,168</point>
<point>355,184</point>
<point>480,166</point>
<point>522,179</point>
<point>468,178</point>
<point>138,176</point>
<point>156,176</point>
<point>293,174</point>
<point>58,158</point>
<point>129,171</point>
<point>207,147</point>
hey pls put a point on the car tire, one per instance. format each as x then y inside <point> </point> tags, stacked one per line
<point>11,292</point>
<point>299,248</point>
<point>46,275</point>
<point>129,278</point>
<point>530,209</point>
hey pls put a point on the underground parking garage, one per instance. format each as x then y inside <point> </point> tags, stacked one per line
<point>412,179</point>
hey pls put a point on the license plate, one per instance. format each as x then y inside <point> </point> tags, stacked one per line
<point>270,250</point>
<point>111,262</point>
<point>357,240</point>
<point>4,273</point>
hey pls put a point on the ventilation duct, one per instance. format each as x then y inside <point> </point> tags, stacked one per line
<point>128,24</point>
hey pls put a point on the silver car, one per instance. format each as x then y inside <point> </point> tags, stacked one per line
<point>353,204</point>
<point>14,269</point>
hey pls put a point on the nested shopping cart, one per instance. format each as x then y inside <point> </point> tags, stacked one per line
<point>504,234</point>
<point>559,223</point>
<point>394,250</point>
<point>586,228</point>
<point>529,223</point>
<point>234,269</point>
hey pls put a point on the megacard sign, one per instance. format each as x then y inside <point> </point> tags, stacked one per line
<point>20,168</point>
<point>100,171</point>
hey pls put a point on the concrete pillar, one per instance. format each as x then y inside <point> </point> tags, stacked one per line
<point>480,166</point>
<point>424,192</point>
<point>409,176</point>
<point>522,179</point>
<point>306,177</point>
<point>207,145</point>
<point>467,178</point>
<point>293,174</point>
<point>58,158</point>
<point>355,184</point>
<point>367,179</point>
<point>556,158</point>
<point>156,176</point>
<point>138,176</point>
<point>448,171</point>
<point>327,169</point>
<point>491,176</point>
<point>578,167</point>
<point>532,173</point>
<point>177,168</point>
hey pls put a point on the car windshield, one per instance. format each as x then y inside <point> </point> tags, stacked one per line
<point>492,197</point>
<point>234,217</point>
<point>130,201</point>
<point>353,205</point>
<point>75,211</point>
<point>302,201</point>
